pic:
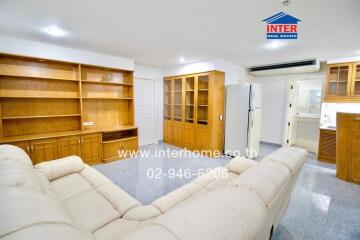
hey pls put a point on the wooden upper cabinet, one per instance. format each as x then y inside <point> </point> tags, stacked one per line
<point>343,83</point>
<point>338,84</point>
<point>91,148</point>
<point>355,87</point>
<point>167,99</point>
<point>44,150</point>
<point>68,146</point>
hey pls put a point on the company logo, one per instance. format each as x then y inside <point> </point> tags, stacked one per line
<point>281,26</point>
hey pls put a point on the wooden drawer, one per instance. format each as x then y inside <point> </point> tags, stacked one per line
<point>119,149</point>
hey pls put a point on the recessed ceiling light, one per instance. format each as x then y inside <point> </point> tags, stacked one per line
<point>54,31</point>
<point>274,45</point>
<point>182,60</point>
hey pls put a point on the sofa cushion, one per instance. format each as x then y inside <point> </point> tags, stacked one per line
<point>151,232</point>
<point>14,172</point>
<point>49,231</point>
<point>116,229</point>
<point>91,210</point>
<point>94,177</point>
<point>22,208</point>
<point>219,214</point>
<point>141,213</point>
<point>61,167</point>
<point>70,185</point>
<point>291,157</point>
<point>240,164</point>
<point>265,180</point>
<point>118,198</point>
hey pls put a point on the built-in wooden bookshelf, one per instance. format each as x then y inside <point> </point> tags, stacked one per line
<point>47,99</point>
<point>193,109</point>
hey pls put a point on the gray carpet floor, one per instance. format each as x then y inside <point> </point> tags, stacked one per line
<point>322,206</point>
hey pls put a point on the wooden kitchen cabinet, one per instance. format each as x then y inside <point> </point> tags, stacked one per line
<point>343,82</point>
<point>348,147</point>
<point>327,145</point>
<point>68,146</point>
<point>91,148</point>
<point>43,150</point>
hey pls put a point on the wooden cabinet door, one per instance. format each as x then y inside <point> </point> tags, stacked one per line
<point>44,150</point>
<point>189,137</point>
<point>131,146</point>
<point>202,139</point>
<point>167,131</point>
<point>355,87</point>
<point>68,146</point>
<point>339,81</point>
<point>24,145</point>
<point>355,157</point>
<point>177,136</point>
<point>91,148</point>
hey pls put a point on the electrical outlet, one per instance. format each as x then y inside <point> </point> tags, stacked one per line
<point>88,123</point>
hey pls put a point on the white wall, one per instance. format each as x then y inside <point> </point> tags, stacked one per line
<point>275,95</point>
<point>47,51</point>
<point>155,74</point>
<point>233,73</point>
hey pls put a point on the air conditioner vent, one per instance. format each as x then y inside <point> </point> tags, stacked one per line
<point>303,66</point>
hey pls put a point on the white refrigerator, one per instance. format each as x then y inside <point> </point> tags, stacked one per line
<point>243,120</point>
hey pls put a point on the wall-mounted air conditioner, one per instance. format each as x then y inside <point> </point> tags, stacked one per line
<point>303,66</point>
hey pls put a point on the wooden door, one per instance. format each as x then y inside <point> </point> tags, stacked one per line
<point>131,146</point>
<point>202,99</point>
<point>338,84</point>
<point>68,146</point>
<point>167,99</point>
<point>44,150</point>
<point>24,145</point>
<point>178,99</point>
<point>355,87</point>
<point>91,148</point>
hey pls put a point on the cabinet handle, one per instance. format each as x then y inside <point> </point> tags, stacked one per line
<point>79,141</point>
<point>32,148</point>
<point>28,149</point>
<point>82,141</point>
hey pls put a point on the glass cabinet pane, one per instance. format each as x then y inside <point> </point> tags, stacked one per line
<point>338,81</point>
<point>189,99</point>
<point>356,86</point>
<point>167,99</point>
<point>202,99</point>
<point>178,99</point>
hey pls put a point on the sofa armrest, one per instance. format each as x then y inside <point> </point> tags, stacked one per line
<point>141,213</point>
<point>60,167</point>
<point>239,165</point>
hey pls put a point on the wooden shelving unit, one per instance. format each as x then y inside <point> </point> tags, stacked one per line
<point>192,105</point>
<point>46,107</point>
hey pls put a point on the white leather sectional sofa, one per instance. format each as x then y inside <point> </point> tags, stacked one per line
<point>66,199</point>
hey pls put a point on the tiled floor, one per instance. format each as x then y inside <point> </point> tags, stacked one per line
<point>322,206</point>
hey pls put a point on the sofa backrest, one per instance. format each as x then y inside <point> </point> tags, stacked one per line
<point>247,208</point>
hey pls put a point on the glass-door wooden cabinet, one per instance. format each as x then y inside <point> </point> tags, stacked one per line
<point>338,81</point>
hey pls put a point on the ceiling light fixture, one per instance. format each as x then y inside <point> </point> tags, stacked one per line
<point>54,31</point>
<point>274,45</point>
<point>286,2</point>
<point>182,60</point>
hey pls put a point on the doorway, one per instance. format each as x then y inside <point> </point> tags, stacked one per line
<point>144,91</point>
<point>303,112</point>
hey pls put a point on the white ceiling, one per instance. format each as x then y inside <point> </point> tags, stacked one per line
<point>158,33</point>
